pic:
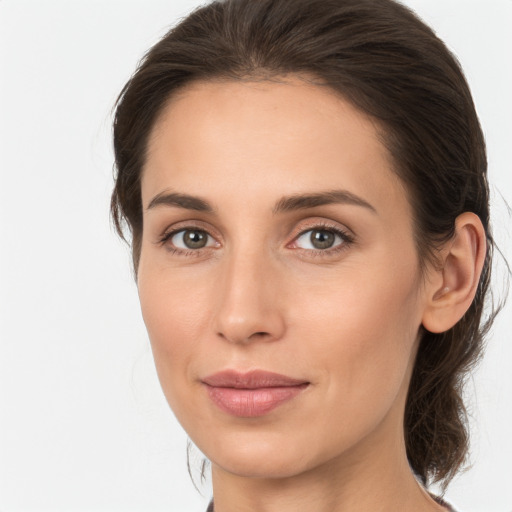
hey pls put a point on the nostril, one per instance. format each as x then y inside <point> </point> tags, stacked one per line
<point>261,333</point>
<point>257,335</point>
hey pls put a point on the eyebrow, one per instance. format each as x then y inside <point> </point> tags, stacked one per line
<point>304,201</point>
<point>185,201</point>
<point>285,204</point>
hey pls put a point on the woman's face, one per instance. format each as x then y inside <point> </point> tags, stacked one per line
<point>277,238</point>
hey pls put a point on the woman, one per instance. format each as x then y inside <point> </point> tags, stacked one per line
<point>305,186</point>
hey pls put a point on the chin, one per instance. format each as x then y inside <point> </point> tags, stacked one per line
<point>259,458</point>
<point>272,467</point>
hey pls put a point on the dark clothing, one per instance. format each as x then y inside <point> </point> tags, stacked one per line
<point>438,500</point>
<point>448,507</point>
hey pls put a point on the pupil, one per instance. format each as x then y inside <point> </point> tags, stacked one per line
<point>194,239</point>
<point>322,239</point>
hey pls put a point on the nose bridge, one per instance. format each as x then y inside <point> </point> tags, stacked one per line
<point>248,299</point>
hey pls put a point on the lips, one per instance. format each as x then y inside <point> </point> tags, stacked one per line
<point>251,394</point>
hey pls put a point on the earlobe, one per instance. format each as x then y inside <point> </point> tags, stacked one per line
<point>452,290</point>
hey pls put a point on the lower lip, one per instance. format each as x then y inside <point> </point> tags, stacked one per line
<point>249,403</point>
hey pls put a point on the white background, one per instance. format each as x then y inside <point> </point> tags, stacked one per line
<point>83,424</point>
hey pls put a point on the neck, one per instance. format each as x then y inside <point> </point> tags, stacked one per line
<point>328,489</point>
<point>337,486</point>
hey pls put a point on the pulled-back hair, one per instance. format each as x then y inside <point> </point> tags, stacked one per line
<point>378,55</point>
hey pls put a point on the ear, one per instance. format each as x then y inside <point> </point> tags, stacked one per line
<point>452,286</point>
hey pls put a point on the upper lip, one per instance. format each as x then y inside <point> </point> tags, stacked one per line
<point>253,379</point>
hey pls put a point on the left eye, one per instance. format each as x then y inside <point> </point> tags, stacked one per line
<point>319,239</point>
<point>191,239</point>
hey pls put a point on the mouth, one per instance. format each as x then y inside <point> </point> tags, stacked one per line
<point>251,394</point>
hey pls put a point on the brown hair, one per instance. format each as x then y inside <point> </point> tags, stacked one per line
<point>389,64</point>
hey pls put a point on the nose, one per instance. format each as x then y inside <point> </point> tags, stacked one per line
<point>249,301</point>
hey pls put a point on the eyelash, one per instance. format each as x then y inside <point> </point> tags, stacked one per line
<point>347,240</point>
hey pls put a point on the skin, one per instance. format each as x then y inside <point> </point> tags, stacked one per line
<point>260,295</point>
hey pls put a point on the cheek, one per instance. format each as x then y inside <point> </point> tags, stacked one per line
<point>361,330</point>
<point>175,314</point>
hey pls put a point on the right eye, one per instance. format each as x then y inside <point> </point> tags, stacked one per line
<point>187,239</point>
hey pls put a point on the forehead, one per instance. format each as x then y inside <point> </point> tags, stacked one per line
<point>265,138</point>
